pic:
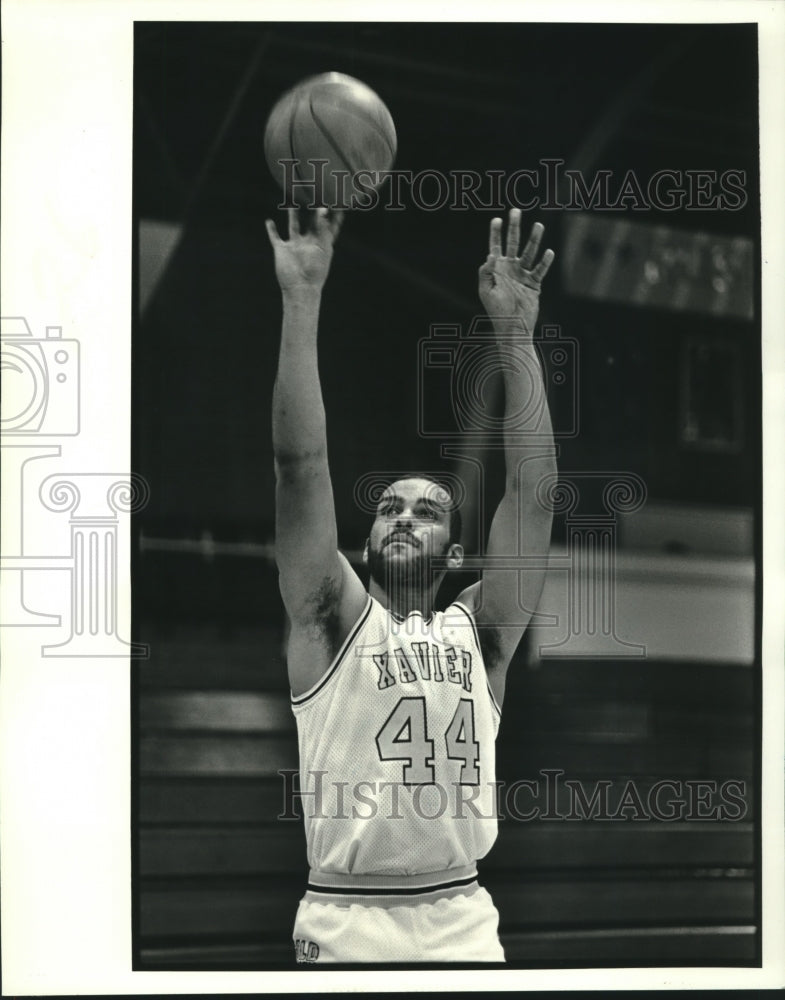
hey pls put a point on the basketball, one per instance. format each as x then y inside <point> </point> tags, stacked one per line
<point>335,118</point>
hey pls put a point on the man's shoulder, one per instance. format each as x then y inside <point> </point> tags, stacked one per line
<point>469,599</point>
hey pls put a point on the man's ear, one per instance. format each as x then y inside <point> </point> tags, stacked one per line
<point>455,556</point>
<point>365,551</point>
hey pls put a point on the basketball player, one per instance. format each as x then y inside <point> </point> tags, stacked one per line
<point>397,704</point>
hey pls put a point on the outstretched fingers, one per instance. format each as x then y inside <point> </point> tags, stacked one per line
<point>320,223</point>
<point>486,271</point>
<point>294,223</point>
<point>495,241</point>
<point>539,272</point>
<point>513,232</point>
<point>532,245</point>
<point>327,223</point>
<point>531,249</point>
<point>272,232</point>
<point>335,220</point>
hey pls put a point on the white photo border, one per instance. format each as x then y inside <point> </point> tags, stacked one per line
<point>66,262</point>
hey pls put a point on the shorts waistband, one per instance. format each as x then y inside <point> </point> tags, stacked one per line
<point>390,889</point>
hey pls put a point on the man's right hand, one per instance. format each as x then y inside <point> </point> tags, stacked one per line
<point>302,262</point>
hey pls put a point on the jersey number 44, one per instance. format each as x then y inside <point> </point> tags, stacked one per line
<point>404,736</point>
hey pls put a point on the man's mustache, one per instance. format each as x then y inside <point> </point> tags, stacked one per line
<point>395,536</point>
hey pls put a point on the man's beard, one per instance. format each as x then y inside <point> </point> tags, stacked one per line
<point>413,573</point>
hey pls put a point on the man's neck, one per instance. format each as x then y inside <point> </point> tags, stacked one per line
<point>401,599</point>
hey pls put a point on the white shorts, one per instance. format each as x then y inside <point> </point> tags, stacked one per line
<point>460,925</point>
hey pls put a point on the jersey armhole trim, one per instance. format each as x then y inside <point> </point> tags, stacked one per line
<point>472,622</point>
<point>476,634</point>
<point>301,699</point>
<point>492,696</point>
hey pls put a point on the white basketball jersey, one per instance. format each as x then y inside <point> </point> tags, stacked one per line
<point>397,748</point>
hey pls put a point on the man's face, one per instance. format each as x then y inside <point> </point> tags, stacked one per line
<point>412,525</point>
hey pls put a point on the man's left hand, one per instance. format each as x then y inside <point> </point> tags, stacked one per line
<point>510,285</point>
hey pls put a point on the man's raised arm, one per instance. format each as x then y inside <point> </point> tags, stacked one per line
<point>321,593</point>
<point>509,288</point>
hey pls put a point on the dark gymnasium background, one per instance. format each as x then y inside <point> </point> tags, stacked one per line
<point>661,311</point>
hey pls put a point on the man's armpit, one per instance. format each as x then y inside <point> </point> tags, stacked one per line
<point>491,645</point>
<point>313,607</point>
